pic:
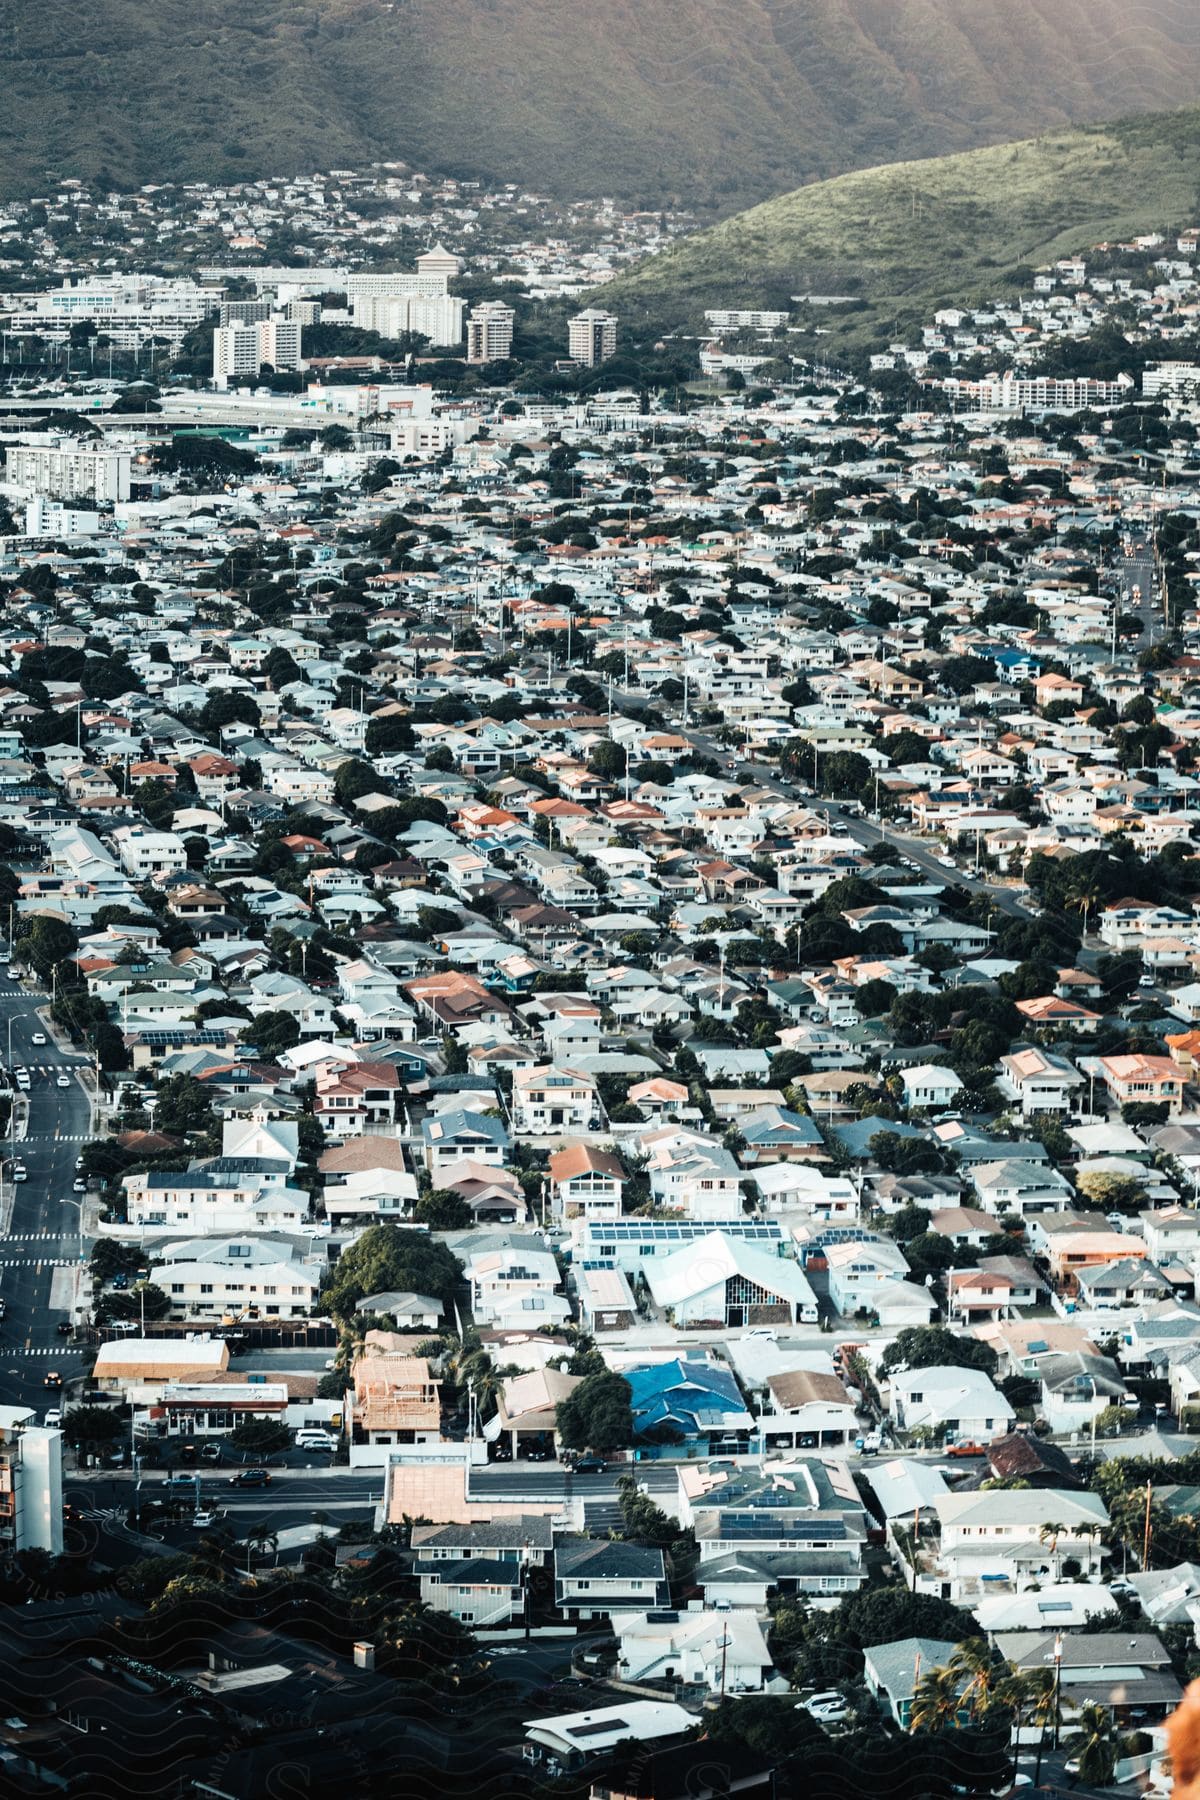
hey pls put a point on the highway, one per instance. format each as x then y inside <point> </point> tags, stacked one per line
<point>42,1236</point>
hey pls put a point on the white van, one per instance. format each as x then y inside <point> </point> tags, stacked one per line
<point>312,1439</point>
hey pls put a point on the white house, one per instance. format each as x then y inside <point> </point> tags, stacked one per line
<point>999,1538</point>
<point>722,1651</point>
<point>962,1403</point>
<point>929,1086</point>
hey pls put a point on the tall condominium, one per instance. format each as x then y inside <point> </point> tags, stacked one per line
<point>242,347</point>
<point>31,1493</point>
<point>71,471</point>
<point>439,317</point>
<point>592,337</point>
<point>490,332</point>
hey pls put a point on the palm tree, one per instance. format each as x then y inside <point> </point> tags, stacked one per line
<point>1083,897</point>
<point>260,1539</point>
<point>1042,1689</point>
<point>1013,1693</point>
<point>1049,1534</point>
<point>1096,1741</point>
<point>936,1701</point>
<point>980,1674</point>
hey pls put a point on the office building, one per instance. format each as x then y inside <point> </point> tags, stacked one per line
<point>592,337</point>
<point>490,332</point>
<point>70,471</point>
<point>31,1491</point>
<point>241,348</point>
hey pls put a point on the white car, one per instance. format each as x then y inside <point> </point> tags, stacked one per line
<point>828,1708</point>
<point>52,1418</point>
<point>20,1173</point>
<point>39,1037</point>
<point>203,1520</point>
<point>63,1081</point>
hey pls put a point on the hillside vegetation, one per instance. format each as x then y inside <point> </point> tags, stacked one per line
<point>716,102</point>
<point>908,237</point>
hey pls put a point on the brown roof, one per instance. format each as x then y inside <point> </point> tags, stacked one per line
<point>362,1153</point>
<point>1020,1453</point>
<point>581,1159</point>
<point>797,1387</point>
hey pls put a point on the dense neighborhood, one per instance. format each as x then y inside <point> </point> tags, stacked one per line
<point>600,978</point>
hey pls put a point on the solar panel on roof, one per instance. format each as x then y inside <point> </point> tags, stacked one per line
<point>598,1728</point>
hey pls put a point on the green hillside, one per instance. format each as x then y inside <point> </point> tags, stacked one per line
<point>717,102</point>
<point>910,236</point>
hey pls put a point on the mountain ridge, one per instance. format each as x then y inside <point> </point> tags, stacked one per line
<point>710,102</point>
<point>906,237</point>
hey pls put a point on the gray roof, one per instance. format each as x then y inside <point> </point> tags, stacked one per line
<point>604,1560</point>
<point>527,1531</point>
<point>895,1665</point>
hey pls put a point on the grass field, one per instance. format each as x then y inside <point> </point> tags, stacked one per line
<point>909,236</point>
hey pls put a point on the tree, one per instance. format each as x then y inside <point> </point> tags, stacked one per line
<point>872,998</point>
<point>261,1437</point>
<point>933,1346</point>
<point>598,1415</point>
<point>936,1700</point>
<point>1096,1742</point>
<point>182,1104</point>
<point>444,1210</point>
<point>86,1427</point>
<point>48,943</point>
<point>387,1258</point>
<point>608,761</point>
<point>271,1033</point>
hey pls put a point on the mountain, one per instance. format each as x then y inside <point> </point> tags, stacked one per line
<point>906,238</point>
<point>714,102</point>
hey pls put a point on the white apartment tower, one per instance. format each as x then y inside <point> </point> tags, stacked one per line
<point>71,471</point>
<point>592,337</point>
<point>490,332</point>
<point>243,346</point>
<point>31,1492</point>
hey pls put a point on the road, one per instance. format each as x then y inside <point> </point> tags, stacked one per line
<point>865,832</point>
<point>43,1231</point>
<point>1138,589</point>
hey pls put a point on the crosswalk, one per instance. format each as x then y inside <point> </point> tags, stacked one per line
<point>55,1068</point>
<point>39,1262</point>
<point>60,1352</point>
<point>41,1237</point>
<point>55,1137</point>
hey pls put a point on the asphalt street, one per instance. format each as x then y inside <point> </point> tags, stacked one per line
<point>1138,589</point>
<point>43,1227</point>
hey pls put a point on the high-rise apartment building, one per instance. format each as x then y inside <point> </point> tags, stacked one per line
<point>70,471</point>
<point>31,1491</point>
<point>439,317</point>
<point>490,332</point>
<point>242,347</point>
<point>592,337</point>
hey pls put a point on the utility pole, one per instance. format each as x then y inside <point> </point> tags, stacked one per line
<point>1146,1530</point>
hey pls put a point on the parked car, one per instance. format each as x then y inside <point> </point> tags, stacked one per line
<point>53,1418</point>
<point>211,1453</point>
<point>204,1520</point>
<point>589,1465</point>
<point>966,1447</point>
<point>827,1708</point>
